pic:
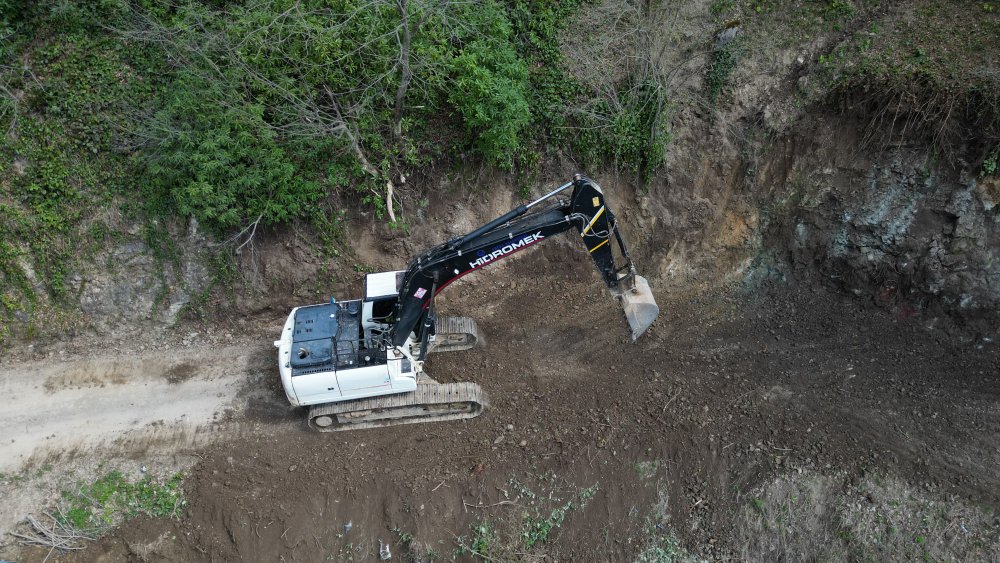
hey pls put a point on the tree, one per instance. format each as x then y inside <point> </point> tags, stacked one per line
<point>309,82</point>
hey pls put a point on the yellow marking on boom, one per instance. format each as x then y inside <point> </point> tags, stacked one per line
<point>600,245</point>
<point>592,221</point>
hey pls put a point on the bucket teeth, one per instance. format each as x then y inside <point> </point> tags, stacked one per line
<point>639,305</point>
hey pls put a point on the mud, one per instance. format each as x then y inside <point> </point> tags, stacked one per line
<point>679,431</point>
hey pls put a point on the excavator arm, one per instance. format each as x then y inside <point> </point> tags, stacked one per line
<point>585,211</point>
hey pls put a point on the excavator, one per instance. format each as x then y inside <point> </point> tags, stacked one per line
<point>359,363</point>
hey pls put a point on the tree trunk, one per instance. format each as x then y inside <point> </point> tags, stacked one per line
<point>404,63</point>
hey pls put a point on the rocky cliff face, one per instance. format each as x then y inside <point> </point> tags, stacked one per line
<point>818,203</point>
<point>910,233</point>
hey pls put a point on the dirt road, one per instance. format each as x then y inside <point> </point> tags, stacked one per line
<point>81,411</point>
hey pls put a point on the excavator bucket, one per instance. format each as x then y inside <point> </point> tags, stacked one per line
<point>638,303</point>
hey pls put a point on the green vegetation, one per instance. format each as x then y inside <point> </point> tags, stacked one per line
<point>525,520</point>
<point>403,538</point>
<point>834,518</point>
<point>148,113</point>
<point>722,64</point>
<point>665,549</point>
<point>619,109</point>
<point>923,70</point>
<point>113,498</point>
<point>989,167</point>
<point>123,117</point>
<point>630,132</point>
<point>926,69</point>
<point>490,89</point>
<point>60,96</point>
<point>540,522</point>
<point>482,545</point>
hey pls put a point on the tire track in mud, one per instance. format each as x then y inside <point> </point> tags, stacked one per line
<point>118,403</point>
<point>69,421</point>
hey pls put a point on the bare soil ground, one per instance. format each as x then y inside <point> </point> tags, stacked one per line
<point>768,423</point>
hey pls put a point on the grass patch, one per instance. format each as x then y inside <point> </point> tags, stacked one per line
<point>922,69</point>
<point>809,516</point>
<point>113,499</point>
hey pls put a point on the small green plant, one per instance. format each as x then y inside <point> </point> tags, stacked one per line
<point>839,10</point>
<point>520,489</point>
<point>482,545</point>
<point>990,164</point>
<point>403,537</point>
<point>718,7</point>
<point>538,524</point>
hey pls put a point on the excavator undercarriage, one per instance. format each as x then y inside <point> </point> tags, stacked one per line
<point>430,402</point>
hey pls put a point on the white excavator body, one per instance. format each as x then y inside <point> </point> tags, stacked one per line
<point>332,352</point>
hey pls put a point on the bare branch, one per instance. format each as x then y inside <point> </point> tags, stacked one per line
<point>56,535</point>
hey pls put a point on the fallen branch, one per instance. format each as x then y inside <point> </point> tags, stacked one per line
<point>55,536</point>
<point>248,232</point>
<point>388,200</point>
<point>503,502</point>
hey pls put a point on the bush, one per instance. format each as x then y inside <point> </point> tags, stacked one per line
<point>490,93</point>
<point>224,164</point>
<point>631,134</point>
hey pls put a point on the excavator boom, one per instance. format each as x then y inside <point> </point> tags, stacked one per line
<point>585,210</point>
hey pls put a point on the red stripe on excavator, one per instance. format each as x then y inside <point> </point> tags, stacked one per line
<point>469,271</point>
